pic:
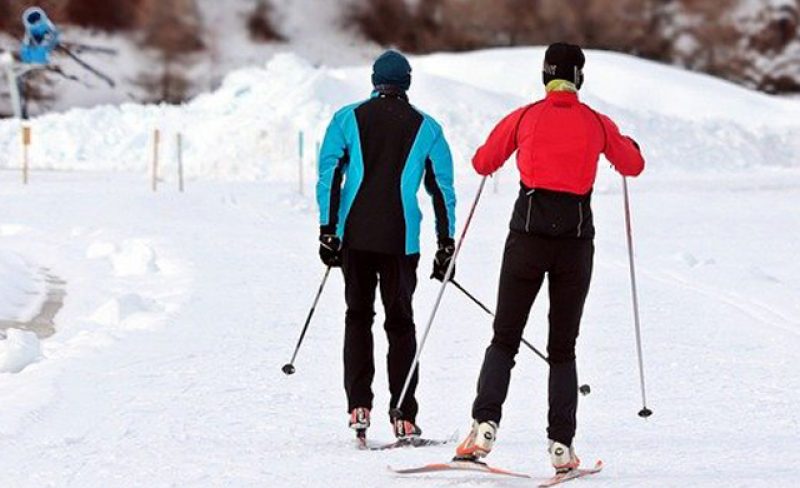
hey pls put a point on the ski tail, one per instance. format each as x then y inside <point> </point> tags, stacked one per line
<point>572,475</point>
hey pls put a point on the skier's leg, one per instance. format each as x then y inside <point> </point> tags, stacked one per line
<point>360,280</point>
<point>524,264</point>
<point>23,96</point>
<point>398,280</point>
<point>568,286</point>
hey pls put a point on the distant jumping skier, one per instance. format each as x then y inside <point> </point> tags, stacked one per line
<point>375,156</point>
<point>41,37</point>
<point>558,141</point>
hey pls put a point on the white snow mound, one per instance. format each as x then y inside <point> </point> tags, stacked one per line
<point>250,127</point>
<point>136,258</point>
<point>20,349</point>
<point>22,289</point>
<point>119,309</point>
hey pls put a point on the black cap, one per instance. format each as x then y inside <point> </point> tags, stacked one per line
<point>392,69</point>
<point>563,61</point>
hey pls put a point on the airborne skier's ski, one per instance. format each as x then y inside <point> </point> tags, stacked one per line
<point>571,475</point>
<point>460,465</point>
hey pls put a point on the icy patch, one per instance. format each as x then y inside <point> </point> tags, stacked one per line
<point>20,349</point>
<point>136,258</point>
<point>118,310</point>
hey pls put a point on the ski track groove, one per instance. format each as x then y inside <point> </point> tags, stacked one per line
<point>757,311</point>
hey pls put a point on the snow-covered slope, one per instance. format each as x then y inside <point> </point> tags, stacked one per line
<point>181,308</point>
<point>320,38</point>
<point>249,127</point>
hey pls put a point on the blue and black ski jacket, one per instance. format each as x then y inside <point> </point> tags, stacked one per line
<point>375,155</point>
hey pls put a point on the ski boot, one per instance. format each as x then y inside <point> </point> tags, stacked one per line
<point>563,457</point>
<point>359,421</point>
<point>405,430</point>
<point>479,441</point>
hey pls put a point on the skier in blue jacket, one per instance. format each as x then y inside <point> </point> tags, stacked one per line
<point>375,156</point>
<point>41,37</point>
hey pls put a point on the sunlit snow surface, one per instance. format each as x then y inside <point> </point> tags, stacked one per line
<point>181,308</point>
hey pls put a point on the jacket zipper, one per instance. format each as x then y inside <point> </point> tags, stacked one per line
<point>580,218</point>
<point>528,218</point>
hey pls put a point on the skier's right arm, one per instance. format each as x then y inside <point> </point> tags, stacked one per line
<point>333,157</point>
<point>621,151</point>
<point>500,145</point>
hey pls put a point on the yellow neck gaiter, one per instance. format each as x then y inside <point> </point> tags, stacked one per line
<point>561,86</point>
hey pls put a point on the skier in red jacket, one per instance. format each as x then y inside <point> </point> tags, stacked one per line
<point>558,141</point>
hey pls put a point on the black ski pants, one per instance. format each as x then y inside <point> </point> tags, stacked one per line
<point>567,262</point>
<point>397,277</point>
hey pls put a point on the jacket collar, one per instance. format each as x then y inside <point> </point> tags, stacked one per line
<point>562,96</point>
<point>389,91</point>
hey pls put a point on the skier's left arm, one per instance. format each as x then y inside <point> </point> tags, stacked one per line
<point>333,158</point>
<point>439,185</point>
<point>622,151</point>
<point>500,145</point>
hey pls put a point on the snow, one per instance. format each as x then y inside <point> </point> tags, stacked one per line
<point>22,290</point>
<point>19,350</point>
<point>182,308</point>
<point>321,37</point>
<point>259,112</point>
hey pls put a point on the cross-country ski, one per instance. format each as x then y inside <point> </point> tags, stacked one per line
<point>572,475</point>
<point>459,465</point>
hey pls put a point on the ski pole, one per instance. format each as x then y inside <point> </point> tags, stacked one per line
<point>488,311</point>
<point>644,412</point>
<point>396,412</point>
<point>288,368</point>
<point>584,389</point>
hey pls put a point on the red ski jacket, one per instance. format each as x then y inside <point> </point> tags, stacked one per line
<point>559,140</point>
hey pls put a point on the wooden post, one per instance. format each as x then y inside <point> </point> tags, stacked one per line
<point>300,162</point>
<point>180,161</point>
<point>156,141</point>
<point>26,142</point>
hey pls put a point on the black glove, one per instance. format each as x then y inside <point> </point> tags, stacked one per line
<point>330,250</point>
<point>442,260</point>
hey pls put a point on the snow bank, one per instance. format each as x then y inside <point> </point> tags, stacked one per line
<point>248,129</point>
<point>22,289</point>
<point>20,349</point>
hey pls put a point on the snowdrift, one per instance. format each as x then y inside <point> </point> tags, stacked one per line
<point>249,128</point>
<point>22,289</point>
